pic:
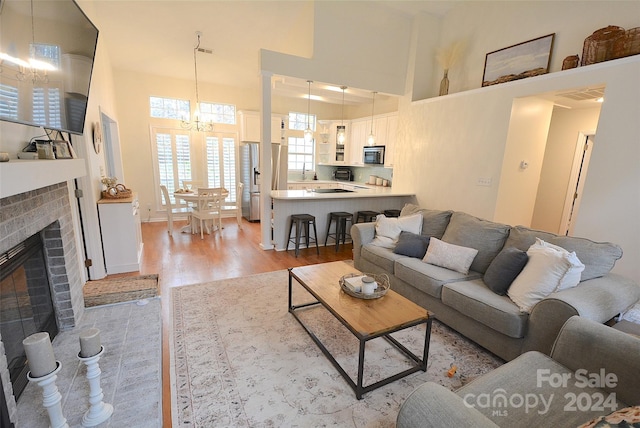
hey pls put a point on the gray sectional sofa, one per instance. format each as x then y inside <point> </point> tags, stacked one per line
<point>593,371</point>
<point>465,303</point>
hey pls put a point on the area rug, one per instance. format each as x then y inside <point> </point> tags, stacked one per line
<point>116,290</point>
<point>239,359</point>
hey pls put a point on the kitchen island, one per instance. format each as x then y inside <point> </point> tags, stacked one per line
<point>344,197</point>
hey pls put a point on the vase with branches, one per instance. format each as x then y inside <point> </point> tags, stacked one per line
<point>447,58</point>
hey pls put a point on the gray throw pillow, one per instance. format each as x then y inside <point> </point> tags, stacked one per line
<point>506,266</point>
<point>412,245</point>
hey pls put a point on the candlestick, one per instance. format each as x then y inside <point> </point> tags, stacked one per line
<point>39,354</point>
<point>90,342</point>
<point>51,397</point>
<point>99,411</point>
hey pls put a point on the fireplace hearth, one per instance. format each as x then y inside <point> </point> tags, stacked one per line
<point>43,214</point>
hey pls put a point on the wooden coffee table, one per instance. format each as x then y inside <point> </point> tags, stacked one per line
<point>367,319</point>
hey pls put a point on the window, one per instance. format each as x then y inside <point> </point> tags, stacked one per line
<point>9,101</point>
<point>221,163</point>
<point>298,121</point>
<point>173,151</point>
<point>46,53</point>
<point>300,154</point>
<point>218,113</point>
<point>170,108</point>
<point>46,107</point>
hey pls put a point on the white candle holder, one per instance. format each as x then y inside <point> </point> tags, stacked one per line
<point>51,397</point>
<point>99,411</point>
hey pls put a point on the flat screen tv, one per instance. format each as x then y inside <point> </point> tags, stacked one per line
<point>47,49</point>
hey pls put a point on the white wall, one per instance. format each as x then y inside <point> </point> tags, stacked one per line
<point>566,125</point>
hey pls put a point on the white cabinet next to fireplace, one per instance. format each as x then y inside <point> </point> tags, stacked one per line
<point>121,234</point>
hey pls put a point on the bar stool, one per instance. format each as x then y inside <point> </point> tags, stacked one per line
<point>366,216</point>
<point>392,213</point>
<point>302,222</point>
<point>341,218</point>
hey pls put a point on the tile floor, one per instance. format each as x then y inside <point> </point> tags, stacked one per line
<point>131,369</point>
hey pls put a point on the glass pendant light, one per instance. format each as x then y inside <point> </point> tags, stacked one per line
<point>371,140</point>
<point>341,134</point>
<point>308,133</point>
<point>197,124</point>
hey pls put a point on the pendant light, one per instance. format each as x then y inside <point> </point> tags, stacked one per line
<point>197,124</point>
<point>308,133</point>
<point>371,140</point>
<point>341,134</point>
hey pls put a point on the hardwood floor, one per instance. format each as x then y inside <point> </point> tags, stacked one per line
<point>184,259</point>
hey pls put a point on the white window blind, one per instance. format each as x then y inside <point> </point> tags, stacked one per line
<point>46,107</point>
<point>9,101</point>
<point>173,154</point>
<point>221,163</point>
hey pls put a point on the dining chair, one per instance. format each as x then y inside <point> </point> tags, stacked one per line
<point>208,208</point>
<point>237,206</point>
<point>170,209</point>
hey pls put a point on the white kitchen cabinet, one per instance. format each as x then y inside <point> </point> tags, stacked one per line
<point>359,133</point>
<point>121,234</point>
<point>250,127</point>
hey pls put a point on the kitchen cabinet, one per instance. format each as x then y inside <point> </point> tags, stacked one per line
<point>324,153</point>
<point>250,127</point>
<point>121,234</point>
<point>359,131</point>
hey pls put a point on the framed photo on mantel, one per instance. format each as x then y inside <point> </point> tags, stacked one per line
<point>526,59</point>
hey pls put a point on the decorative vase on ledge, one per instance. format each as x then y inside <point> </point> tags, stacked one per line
<point>444,83</point>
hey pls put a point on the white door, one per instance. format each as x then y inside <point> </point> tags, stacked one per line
<point>576,183</point>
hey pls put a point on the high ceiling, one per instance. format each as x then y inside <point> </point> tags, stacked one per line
<point>158,37</point>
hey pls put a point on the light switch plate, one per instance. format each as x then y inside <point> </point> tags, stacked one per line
<point>484,181</point>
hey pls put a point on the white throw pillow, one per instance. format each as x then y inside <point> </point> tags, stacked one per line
<point>540,277</point>
<point>388,229</point>
<point>572,277</point>
<point>450,256</point>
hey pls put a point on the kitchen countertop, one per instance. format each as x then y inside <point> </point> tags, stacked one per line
<point>361,190</point>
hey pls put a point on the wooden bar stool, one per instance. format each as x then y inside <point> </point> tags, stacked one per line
<point>392,213</point>
<point>366,216</point>
<point>341,218</point>
<point>302,222</point>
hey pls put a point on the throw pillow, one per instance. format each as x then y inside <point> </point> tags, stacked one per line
<point>504,269</point>
<point>412,245</point>
<point>572,277</point>
<point>539,278</point>
<point>449,256</point>
<point>627,418</point>
<point>388,229</point>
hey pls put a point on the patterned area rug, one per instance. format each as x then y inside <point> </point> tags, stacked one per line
<point>116,290</point>
<point>240,359</point>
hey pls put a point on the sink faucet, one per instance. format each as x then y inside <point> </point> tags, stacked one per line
<point>303,171</point>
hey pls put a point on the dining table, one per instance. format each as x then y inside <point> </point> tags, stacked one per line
<point>190,197</point>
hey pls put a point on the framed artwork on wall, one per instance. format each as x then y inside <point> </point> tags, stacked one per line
<point>61,149</point>
<point>526,59</point>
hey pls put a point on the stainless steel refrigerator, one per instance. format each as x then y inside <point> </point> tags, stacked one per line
<point>250,176</point>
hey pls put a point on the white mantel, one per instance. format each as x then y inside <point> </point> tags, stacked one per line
<point>20,175</point>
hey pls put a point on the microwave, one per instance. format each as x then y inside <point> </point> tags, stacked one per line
<point>373,155</point>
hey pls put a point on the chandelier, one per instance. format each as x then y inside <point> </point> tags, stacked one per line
<point>197,124</point>
<point>341,130</point>
<point>308,133</point>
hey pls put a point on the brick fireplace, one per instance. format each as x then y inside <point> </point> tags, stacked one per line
<point>46,211</point>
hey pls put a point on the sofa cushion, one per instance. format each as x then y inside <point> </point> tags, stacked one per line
<point>379,256</point>
<point>411,245</point>
<point>475,300</point>
<point>388,229</point>
<point>485,236</point>
<point>540,277</point>
<point>427,278</point>
<point>504,268</point>
<point>598,257</point>
<point>434,222</point>
<point>450,256</point>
